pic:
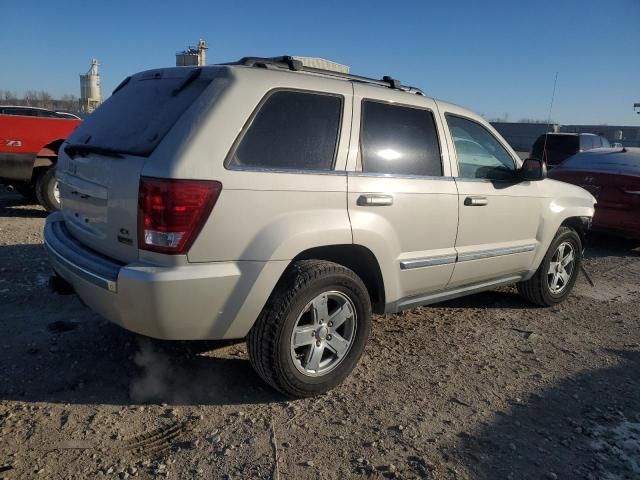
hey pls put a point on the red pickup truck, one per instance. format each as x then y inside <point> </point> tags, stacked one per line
<point>29,141</point>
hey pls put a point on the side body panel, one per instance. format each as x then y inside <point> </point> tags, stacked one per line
<point>412,237</point>
<point>263,218</point>
<point>499,221</point>
<point>506,228</point>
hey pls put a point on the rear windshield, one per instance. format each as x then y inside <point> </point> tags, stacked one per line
<point>142,110</point>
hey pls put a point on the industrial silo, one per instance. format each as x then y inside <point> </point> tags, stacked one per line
<point>192,56</point>
<point>90,96</point>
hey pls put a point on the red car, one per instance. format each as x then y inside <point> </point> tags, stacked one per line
<point>29,141</point>
<point>612,175</point>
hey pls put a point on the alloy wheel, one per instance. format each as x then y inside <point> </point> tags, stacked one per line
<point>561,267</point>
<point>323,333</point>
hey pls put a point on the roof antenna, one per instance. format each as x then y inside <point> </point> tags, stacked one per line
<point>546,136</point>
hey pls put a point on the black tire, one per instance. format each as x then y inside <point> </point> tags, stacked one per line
<point>46,184</point>
<point>269,341</point>
<point>537,289</point>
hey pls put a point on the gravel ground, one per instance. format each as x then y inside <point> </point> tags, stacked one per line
<point>485,387</point>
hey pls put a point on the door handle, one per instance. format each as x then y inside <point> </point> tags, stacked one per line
<point>476,201</point>
<point>375,200</point>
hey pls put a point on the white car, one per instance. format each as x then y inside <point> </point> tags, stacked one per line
<point>284,203</point>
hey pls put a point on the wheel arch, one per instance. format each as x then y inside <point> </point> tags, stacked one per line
<point>580,224</point>
<point>51,149</point>
<point>357,258</point>
<point>46,157</point>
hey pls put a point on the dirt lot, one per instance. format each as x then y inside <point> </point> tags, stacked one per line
<point>485,387</point>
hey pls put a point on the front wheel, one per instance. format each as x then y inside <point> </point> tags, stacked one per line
<point>313,330</point>
<point>557,274</point>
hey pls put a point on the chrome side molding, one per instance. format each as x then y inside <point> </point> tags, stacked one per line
<point>427,262</point>
<point>496,252</point>
<point>464,257</point>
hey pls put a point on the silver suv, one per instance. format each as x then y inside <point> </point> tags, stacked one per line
<point>285,203</point>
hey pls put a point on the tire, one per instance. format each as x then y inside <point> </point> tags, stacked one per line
<point>271,343</point>
<point>539,289</point>
<point>46,185</point>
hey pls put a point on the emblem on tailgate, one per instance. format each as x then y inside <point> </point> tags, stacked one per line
<point>13,143</point>
<point>124,237</point>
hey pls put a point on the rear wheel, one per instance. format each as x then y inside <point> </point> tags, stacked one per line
<point>47,190</point>
<point>557,274</point>
<point>313,330</point>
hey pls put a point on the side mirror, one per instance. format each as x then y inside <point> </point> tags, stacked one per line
<point>533,169</point>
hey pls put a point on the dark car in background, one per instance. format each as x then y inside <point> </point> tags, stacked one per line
<point>613,177</point>
<point>560,146</point>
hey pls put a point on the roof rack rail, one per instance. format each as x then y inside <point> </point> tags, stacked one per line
<point>287,62</point>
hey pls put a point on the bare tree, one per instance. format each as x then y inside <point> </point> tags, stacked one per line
<point>535,120</point>
<point>41,99</point>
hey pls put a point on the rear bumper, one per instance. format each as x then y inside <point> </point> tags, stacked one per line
<point>191,302</point>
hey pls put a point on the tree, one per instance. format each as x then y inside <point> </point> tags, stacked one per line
<point>41,99</point>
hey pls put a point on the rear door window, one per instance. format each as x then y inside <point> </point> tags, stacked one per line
<point>399,140</point>
<point>291,130</point>
<point>142,110</point>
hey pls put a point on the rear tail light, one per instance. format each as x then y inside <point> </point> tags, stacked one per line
<point>171,213</point>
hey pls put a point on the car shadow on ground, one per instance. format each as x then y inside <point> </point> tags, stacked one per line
<point>54,349</point>
<point>504,297</point>
<point>587,426</point>
<point>63,363</point>
<point>15,205</point>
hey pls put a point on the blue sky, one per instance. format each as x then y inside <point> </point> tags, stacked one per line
<point>495,57</point>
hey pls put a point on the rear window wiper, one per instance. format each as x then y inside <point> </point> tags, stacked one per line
<point>82,148</point>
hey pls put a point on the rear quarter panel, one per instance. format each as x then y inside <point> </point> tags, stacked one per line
<point>260,215</point>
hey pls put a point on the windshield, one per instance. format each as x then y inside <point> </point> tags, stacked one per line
<point>142,110</point>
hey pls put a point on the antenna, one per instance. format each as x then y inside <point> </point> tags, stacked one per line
<point>546,135</point>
